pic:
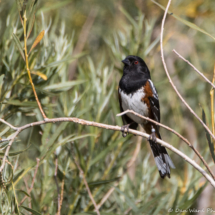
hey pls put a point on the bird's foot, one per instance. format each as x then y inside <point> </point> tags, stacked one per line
<point>153,136</point>
<point>125,130</point>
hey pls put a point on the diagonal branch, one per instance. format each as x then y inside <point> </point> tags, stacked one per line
<point>130,163</point>
<point>85,181</point>
<point>170,80</point>
<point>28,70</point>
<point>176,133</point>
<point>32,183</point>
<point>206,79</point>
<point>109,127</point>
<point>8,124</point>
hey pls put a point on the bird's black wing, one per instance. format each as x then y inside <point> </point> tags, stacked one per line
<point>154,104</point>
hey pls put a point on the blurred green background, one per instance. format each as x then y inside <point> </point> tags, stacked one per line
<point>76,69</point>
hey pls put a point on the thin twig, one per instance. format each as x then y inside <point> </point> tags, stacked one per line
<point>170,80</point>
<point>157,123</point>
<point>176,133</point>
<point>7,123</point>
<point>28,70</point>
<point>130,163</point>
<point>8,149</point>
<point>109,127</point>
<point>82,40</point>
<point>85,181</point>
<point>58,189</point>
<point>33,180</point>
<point>212,107</point>
<point>28,189</point>
<point>206,79</point>
<point>61,194</point>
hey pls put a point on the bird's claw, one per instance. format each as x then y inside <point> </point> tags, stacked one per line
<point>125,130</point>
<point>153,137</point>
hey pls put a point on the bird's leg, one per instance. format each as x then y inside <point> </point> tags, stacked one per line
<point>153,135</point>
<point>125,129</point>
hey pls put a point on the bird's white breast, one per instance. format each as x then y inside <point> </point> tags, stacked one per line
<point>133,102</point>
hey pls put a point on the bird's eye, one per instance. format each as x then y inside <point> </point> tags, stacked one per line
<point>135,62</point>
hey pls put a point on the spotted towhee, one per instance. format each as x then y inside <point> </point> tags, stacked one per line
<point>137,93</point>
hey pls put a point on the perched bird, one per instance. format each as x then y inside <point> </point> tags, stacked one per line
<point>137,92</point>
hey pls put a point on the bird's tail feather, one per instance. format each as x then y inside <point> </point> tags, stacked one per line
<point>162,159</point>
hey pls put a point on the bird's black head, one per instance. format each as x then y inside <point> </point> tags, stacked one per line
<point>134,64</point>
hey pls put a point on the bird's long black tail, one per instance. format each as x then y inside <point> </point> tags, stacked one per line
<point>162,159</point>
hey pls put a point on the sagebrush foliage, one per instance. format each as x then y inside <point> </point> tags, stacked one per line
<point>92,95</point>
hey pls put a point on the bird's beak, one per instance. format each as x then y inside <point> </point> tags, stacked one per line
<point>126,62</point>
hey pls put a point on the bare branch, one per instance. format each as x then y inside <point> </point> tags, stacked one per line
<point>61,195</point>
<point>85,182</point>
<point>157,123</point>
<point>32,183</point>
<point>130,163</point>
<point>11,126</point>
<point>170,80</point>
<point>28,70</point>
<point>8,149</point>
<point>194,68</point>
<point>82,40</point>
<point>109,127</point>
<point>58,189</point>
<point>176,133</point>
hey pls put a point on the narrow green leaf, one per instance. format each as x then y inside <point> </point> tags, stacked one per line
<point>31,23</point>
<point>191,201</point>
<point>190,24</point>
<point>104,152</point>
<point>186,194</point>
<point>162,203</point>
<point>145,206</point>
<point>16,201</point>
<point>31,210</point>
<point>58,131</point>
<point>22,104</point>
<point>19,4</point>
<point>64,85</point>
<point>128,16</point>
<point>129,202</point>
<point>211,146</point>
<point>98,183</point>
<point>70,59</point>
<point>19,45</point>
<point>175,202</point>
<point>31,6</point>
<point>47,127</point>
<point>22,191</point>
<point>2,145</point>
<point>17,175</point>
<point>53,6</point>
<point>6,129</point>
<point>11,154</point>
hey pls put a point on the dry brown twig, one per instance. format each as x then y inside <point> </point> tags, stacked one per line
<point>28,70</point>
<point>61,194</point>
<point>200,73</point>
<point>170,80</point>
<point>58,189</point>
<point>130,163</point>
<point>82,39</point>
<point>85,181</point>
<point>32,183</point>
